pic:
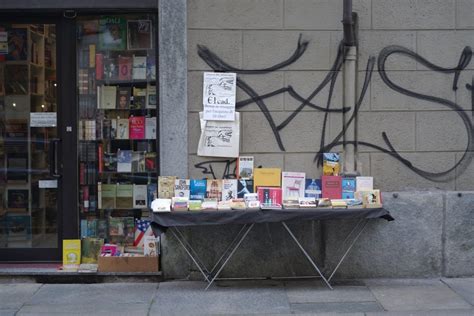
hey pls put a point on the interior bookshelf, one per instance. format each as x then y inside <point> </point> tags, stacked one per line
<point>117,126</point>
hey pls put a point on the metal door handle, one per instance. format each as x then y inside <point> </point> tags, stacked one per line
<point>53,158</point>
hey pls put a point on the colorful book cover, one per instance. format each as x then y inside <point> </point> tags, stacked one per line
<point>125,68</point>
<point>139,68</point>
<point>150,162</point>
<point>124,198</point>
<point>244,187</point>
<point>269,195</point>
<point>123,98</point>
<point>266,177</point>
<point>150,97</point>
<point>229,189</point>
<point>122,129</point>
<point>292,185</point>
<point>313,188</point>
<point>139,98</point>
<point>124,161</point>
<point>348,188</point>
<point>136,127</point>
<point>18,226</point>
<point>71,254</point>
<point>112,33</point>
<point>152,193</point>
<point>331,187</point>
<point>142,229</point>
<point>245,167</point>
<point>140,196</point>
<point>197,189</point>
<point>166,187</point>
<point>150,127</point>
<point>182,188</point>
<point>151,247</point>
<point>111,69</point>
<point>364,183</point>
<point>214,189</point>
<point>99,66</point>
<point>90,249</point>
<point>108,194</point>
<point>331,164</point>
<point>110,162</point>
<point>17,44</point>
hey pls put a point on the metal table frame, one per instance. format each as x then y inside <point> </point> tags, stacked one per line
<point>211,275</point>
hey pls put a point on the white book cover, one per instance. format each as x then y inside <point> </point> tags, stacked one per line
<point>139,68</point>
<point>122,129</point>
<point>151,246</point>
<point>229,189</point>
<point>292,185</point>
<point>364,183</point>
<point>140,195</point>
<point>150,127</point>
<point>124,161</point>
<point>245,170</point>
<point>181,188</point>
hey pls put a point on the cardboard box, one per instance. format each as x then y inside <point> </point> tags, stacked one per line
<point>128,264</point>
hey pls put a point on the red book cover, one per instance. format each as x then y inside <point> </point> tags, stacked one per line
<point>101,158</point>
<point>269,195</point>
<point>99,67</point>
<point>331,187</point>
<point>82,173</point>
<point>85,197</point>
<point>136,127</point>
<point>125,68</point>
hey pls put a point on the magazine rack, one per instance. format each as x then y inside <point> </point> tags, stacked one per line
<point>247,218</point>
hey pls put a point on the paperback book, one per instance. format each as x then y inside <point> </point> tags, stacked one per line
<point>313,188</point>
<point>266,177</point>
<point>244,187</point>
<point>245,167</point>
<point>214,189</point>
<point>140,196</point>
<point>166,187</point>
<point>331,187</point>
<point>293,184</point>
<point>229,189</point>
<point>348,188</point>
<point>182,188</point>
<point>197,189</point>
<point>124,198</point>
<point>124,161</point>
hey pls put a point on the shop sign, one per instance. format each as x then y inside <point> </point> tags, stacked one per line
<point>43,119</point>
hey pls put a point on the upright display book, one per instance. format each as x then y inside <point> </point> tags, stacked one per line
<point>313,188</point>
<point>229,189</point>
<point>17,44</point>
<point>111,70</point>
<point>269,195</point>
<point>150,127</point>
<point>266,177</point>
<point>90,249</point>
<point>71,254</point>
<point>139,68</point>
<point>122,129</point>
<point>244,187</point>
<point>124,160</point>
<point>198,189</point>
<point>152,192</point>
<point>124,68</point>
<point>108,194</point>
<point>293,184</point>
<point>140,34</point>
<point>245,167</point>
<point>332,187</point>
<point>166,187</point>
<point>331,164</point>
<point>138,161</point>
<point>136,127</point>
<point>348,188</point>
<point>364,183</point>
<point>214,189</point>
<point>140,196</point>
<point>139,98</point>
<point>123,98</point>
<point>112,33</point>
<point>182,188</point>
<point>151,97</point>
<point>124,198</point>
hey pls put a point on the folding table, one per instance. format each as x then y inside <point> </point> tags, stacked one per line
<point>161,222</point>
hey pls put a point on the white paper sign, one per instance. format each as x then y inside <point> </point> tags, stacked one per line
<point>48,184</point>
<point>43,119</point>
<point>219,138</point>
<point>218,96</point>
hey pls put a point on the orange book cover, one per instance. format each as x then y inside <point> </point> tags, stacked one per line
<point>266,177</point>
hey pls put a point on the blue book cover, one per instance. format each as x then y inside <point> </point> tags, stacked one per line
<point>152,193</point>
<point>197,189</point>
<point>312,188</point>
<point>348,188</point>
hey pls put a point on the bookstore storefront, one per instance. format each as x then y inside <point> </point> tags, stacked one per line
<point>78,124</point>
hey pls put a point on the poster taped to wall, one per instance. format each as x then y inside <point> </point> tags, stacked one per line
<point>219,96</point>
<point>219,138</point>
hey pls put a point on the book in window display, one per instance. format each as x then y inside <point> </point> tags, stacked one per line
<point>124,161</point>
<point>123,97</point>
<point>150,127</point>
<point>139,67</point>
<point>16,79</point>
<point>140,196</point>
<point>112,33</point>
<point>151,97</point>
<point>17,44</point>
<point>124,198</point>
<point>122,129</point>
<point>137,127</point>
<point>17,199</point>
<point>124,68</point>
<point>139,34</point>
<point>139,98</point>
<point>111,69</point>
<point>138,161</point>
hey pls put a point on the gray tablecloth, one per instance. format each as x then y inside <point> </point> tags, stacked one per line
<point>161,221</point>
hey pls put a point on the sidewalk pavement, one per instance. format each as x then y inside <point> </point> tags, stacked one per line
<point>372,297</point>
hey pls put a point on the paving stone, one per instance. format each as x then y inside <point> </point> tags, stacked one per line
<point>450,312</point>
<point>340,307</point>
<point>418,297</point>
<point>105,308</point>
<point>10,312</point>
<point>404,282</point>
<point>310,292</point>
<point>464,287</point>
<point>14,295</point>
<point>238,299</point>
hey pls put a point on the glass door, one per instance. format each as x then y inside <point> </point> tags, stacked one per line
<point>29,142</point>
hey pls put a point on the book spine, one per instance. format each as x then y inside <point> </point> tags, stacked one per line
<point>99,66</point>
<point>100,158</point>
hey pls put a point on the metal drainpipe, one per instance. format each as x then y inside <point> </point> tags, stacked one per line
<point>349,88</point>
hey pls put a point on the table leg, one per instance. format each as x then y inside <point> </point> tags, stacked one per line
<point>306,254</point>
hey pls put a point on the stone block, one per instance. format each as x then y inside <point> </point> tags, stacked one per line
<point>200,167</point>
<point>194,132</point>
<point>464,14</point>
<point>410,246</point>
<point>349,308</point>
<point>372,42</point>
<point>391,175</point>
<point>225,44</point>
<point>117,308</point>
<point>309,292</point>
<point>429,83</point>
<point>257,135</point>
<point>303,133</point>
<point>195,79</point>
<point>414,14</point>
<point>305,83</point>
<point>421,298</point>
<point>366,101</point>
<point>463,287</point>
<point>443,48</point>
<point>363,163</point>
<point>303,163</point>
<point>262,49</point>
<point>323,14</point>
<point>463,95</point>
<point>399,127</point>
<point>440,131</point>
<point>464,174</point>
<point>269,160</point>
<point>13,296</point>
<point>228,14</point>
<point>263,84</point>
<point>459,245</point>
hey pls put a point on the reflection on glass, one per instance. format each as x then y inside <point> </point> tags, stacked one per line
<point>28,212</point>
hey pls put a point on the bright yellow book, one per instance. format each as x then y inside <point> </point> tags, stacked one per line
<point>266,177</point>
<point>71,254</point>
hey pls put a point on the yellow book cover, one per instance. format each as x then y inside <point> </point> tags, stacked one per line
<point>71,254</point>
<point>266,177</point>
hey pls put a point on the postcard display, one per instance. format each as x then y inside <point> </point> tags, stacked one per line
<point>117,127</point>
